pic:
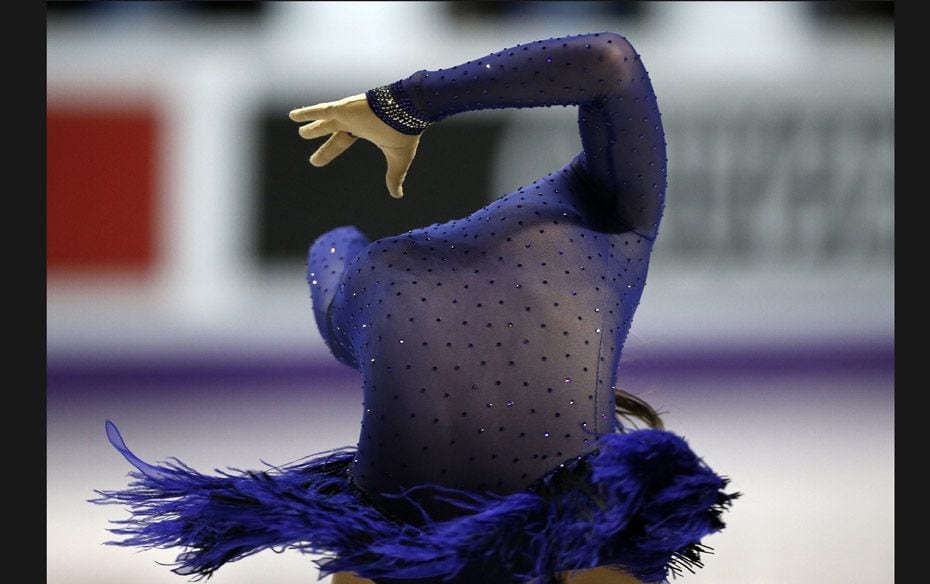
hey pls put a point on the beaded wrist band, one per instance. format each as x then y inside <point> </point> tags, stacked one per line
<point>393,106</point>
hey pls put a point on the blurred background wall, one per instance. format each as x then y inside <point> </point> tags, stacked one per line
<point>180,207</point>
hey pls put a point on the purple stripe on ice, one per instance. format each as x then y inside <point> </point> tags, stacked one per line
<point>860,358</point>
<point>191,369</point>
<point>844,359</point>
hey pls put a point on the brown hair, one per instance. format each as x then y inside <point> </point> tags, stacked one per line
<point>629,406</point>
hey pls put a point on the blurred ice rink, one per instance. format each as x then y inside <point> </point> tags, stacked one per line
<point>766,329</point>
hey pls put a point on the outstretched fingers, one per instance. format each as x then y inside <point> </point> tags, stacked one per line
<point>346,120</point>
<point>338,143</point>
<point>318,128</point>
<point>319,111</point>
<point>398,163</point>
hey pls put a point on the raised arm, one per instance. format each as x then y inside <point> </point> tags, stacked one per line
<point>624,155</point>
<point>623,159</point>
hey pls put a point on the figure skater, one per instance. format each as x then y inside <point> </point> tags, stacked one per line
<point>495,446</point>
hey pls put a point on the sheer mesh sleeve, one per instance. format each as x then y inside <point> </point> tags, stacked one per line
<point>624,154</point>
<point>327,262</point>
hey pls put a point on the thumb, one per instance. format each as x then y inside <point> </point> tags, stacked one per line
<point>398,163</point>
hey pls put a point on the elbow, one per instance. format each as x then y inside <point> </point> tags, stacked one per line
<point>615,42</point>
<point>617,58</point>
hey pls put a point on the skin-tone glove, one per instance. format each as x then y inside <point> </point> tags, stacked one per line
<point>349,119</point>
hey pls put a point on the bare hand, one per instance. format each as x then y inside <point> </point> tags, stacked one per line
<point>347,120</point>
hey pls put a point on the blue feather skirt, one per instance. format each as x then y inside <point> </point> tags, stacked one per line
<point>641,502</point>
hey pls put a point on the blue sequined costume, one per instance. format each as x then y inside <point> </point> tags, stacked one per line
<point>488,348</point>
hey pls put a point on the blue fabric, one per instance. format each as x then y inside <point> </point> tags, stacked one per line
<point>488,346</point>
<point>642,500</point>
<point>488,349</point>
